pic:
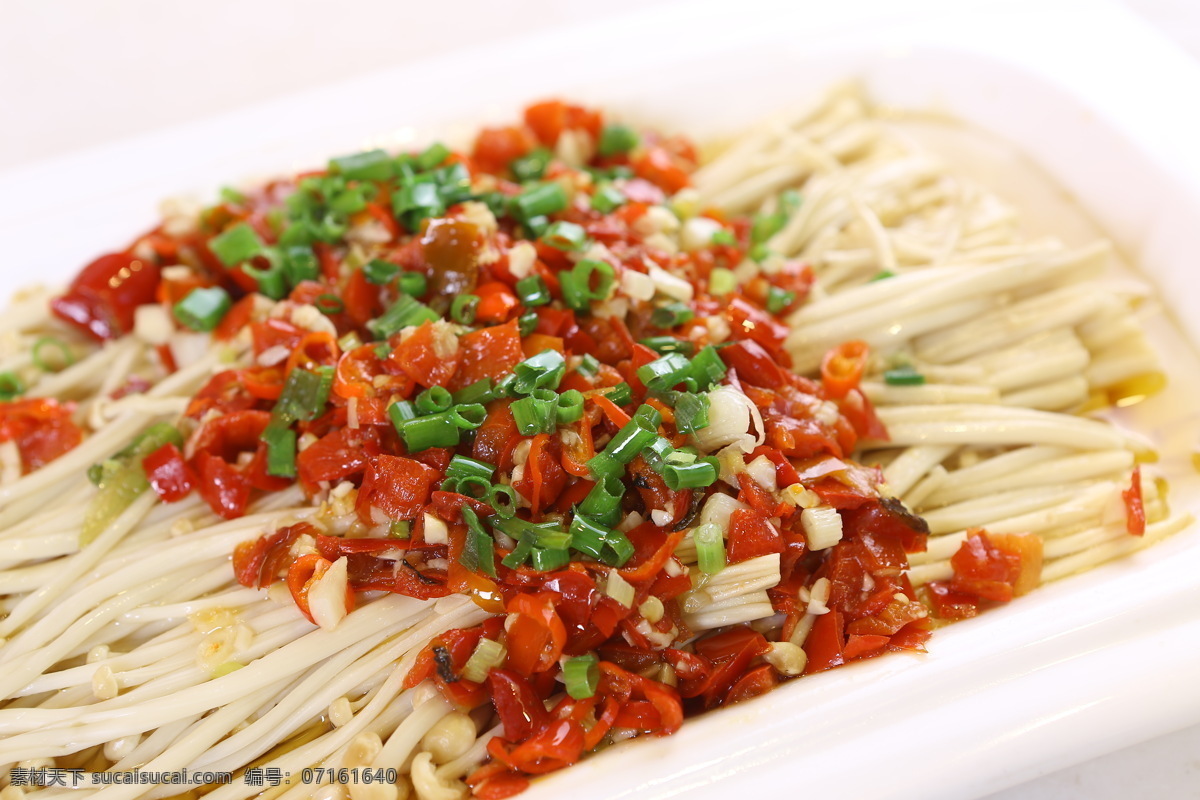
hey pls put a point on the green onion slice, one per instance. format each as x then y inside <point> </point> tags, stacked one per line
<point>710,548</point>
<point>607,198</point>
<point>566,236</point>
<point>532,165</point>
<point>537,413</point>
<point>329,304</point>
<point>691,412</point>
<point>589,281</point>
<point>616,138</point>
<point>570,406</point>
<point>413,283</point>
<point>903,376</point>
<point>721,281</point>
<point>671,315</point>
<point>540,201</point>
<point>10,386</point>
<point>779,299</point>
<point>380,272</point>
<point>542,371</point>
<point>64,358</point>
<point>236,244</point>
<point>203,308</point>
<point>533,291</point>
<point>401,314</point>
<point>463,307</point>
<point>435,430</point>
<point>373,165</point>
<point>280,440</point>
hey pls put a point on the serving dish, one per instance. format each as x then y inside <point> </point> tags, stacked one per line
<point>1081,667</point>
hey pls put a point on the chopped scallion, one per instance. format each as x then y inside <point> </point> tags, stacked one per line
<point>304,394</point>
<point>402,313</point>
<point>581,675</point>
<point>617,548</point>
<point>351,200</point>
<point>519,555</point>
<point>721,281</point>
<point>577,285</point>
<point>603,502</point>
<point>710,548</point>
<point>488,655</point>
<point>280,440</point>
<point>691,412</point>
<point>587,537</point>
<point>414,202</point>
<point>236,244</point>
<point>607,198</point>
<point>664,373</point>
<point>481,391</point>
<point>413,283</point>
<point>565,236</point>
<point>372,165</point>
<point>537,413</point>
<point>628,442</point>
<point>764,226</point>
<point>656,453</point>
<point>203,308</point>
<point>463,307</point>
<point>465,467</point>
<point>475,488</point>
<point>536,226</point>
<point>616,138</point>
<point>703,472</point>
<point>478,553</point>
<point>532,165</point>
<point>533,291</point>
<point>433,156</point>
<point>545,560</point>
<point>552,538</point>
<point>503,499</point>
<point>10,386</point>
<point>570,406</point>
<point>648,416</point>
<point>670,315</point>
<point>61,361</point>
<point>707,367</point>
<point>434,430</point>
<point>903,376</point>
<point>621,394</point>
<point>542,371</point>
<point>778,299</point>
<point>588,365</point>
<point>380,272</point>
<point>603,465</point>
<point>300,264</point>
<point>539,201</point>
<point>468,416</point>
<point>669,344</point>
<point>272,281</point>
<point>329,304</point>
<point>433,400</point>
<point>401,411</point>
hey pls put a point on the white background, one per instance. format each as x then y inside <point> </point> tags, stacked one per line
<point>79,72</point>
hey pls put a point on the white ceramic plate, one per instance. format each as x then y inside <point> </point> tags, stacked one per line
<point>1105,106</point>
